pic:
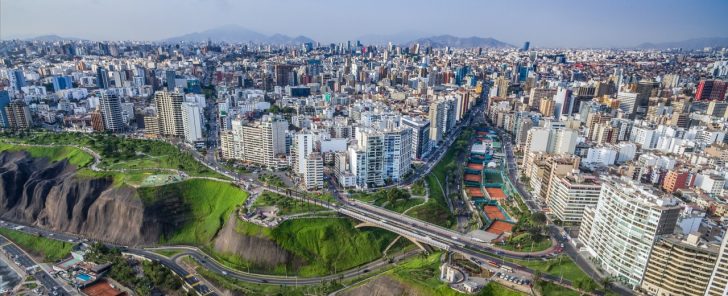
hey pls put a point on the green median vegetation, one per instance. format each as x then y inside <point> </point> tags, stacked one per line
<point>209,202</point>
<point>49,250</point>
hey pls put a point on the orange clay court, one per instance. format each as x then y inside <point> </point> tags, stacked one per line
<point>493,213</point>
<point>102,288</point>
<point>499,227</point>
<point>475,166</point>
<point>475,192</point>
<point>496,193</point>
<point>472,178</point>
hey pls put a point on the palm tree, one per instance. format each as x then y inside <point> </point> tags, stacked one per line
<point>607,282</point>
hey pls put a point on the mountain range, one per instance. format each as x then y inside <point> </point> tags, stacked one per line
<point>460,42</point>
<point>235,33</point>
<point>695,43</point>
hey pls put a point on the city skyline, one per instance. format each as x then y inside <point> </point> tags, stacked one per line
<point>621,24</point>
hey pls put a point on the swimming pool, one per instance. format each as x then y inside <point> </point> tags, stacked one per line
<point>83,277</point>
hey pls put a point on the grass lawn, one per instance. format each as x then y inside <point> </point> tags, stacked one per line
<point>210,202</point>
<point>421,274</point>
<point>435,210</point>
<point>496,289</point>
<point>418,188</point>
<point>328,244</point>
<point>524,243</point>
<point>393,199</point>
<point>49,249</point>
<point>122,153</point>
<point>75,156</point>
<point>557,267</point>
<point>547,289</point>
<point>324,244</point>
<point>286,205</point>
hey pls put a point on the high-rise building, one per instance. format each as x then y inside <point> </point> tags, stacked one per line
<point>102,78</point>
<point>62,82</point>
<point>679,265</point>
<point>397,154</point>
<point>169,110</point>
<point>170,76</point>
<point>711,90</point>
<point>313,176</point>
<point>17,79</point>
<point>620,231</point>
<point>4,101</point>
<point>261,141</point>
<point>303,145</point>
<point>501,84</point>
<point>571,193</point>
<point>110,107</point>
<point>18,115</point>
<point>526,46</point>
<point>718,284</point>
<point>420,135</point>
<point>366,158</point>
<point>284,75</point>
<point>192,122</point>
<point>676,179</point>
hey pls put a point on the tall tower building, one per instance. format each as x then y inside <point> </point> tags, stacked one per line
<point>102,78</point>
<point>620,232</point>
<point>192,122</point>
<point>18,115</point>
<point>718,284</point>
<point>169,110</point>
<point>4,101</point>
<point>711,90</point>
<point>420,135</point>
<point>110,107</point>
<point>262,141</point>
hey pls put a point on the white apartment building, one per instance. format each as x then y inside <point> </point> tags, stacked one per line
<point>620,231</point>
<point>572,193</point>
<point>192,122</point>
<point>313,176</point>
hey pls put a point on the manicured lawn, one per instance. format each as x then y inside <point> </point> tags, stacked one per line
<point>74,155</point>
<point>286,205</point>
<point>524,243</point>
<point>496,289</point>
<point>547,289</point>
<point>562,266</point>
<point>49,249</point>
<point>210,204</point>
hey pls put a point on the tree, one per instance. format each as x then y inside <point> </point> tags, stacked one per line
<point>538,218</point>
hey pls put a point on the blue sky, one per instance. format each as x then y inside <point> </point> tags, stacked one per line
<point>555,23</point>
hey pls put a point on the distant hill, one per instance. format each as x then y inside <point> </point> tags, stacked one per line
<point>695,43</point>
<point>461,42</point>
<point>235,33</point>
<point>395,38</point>
<point>52,38</point>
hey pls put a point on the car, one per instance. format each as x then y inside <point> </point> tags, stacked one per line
<point>224,272</point>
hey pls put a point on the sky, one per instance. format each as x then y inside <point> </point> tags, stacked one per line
<point>553,23</point>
